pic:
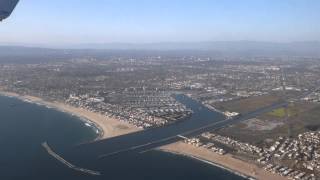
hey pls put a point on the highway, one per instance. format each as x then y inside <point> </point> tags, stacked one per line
<point>201,121</point>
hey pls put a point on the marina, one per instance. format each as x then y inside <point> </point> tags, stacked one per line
<point>202,120</point>
<point>33,123</point>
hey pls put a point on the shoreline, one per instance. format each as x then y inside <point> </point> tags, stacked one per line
<point>208,162</point>
<point>104,126</point>
<point>107,127</point>
<point>226,162</point>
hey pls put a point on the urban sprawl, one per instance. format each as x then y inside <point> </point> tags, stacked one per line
<point>140,89</point>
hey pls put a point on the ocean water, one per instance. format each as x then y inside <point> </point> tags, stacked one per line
<point>24,126</point>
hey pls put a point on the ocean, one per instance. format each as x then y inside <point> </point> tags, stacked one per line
<point>24,126</point>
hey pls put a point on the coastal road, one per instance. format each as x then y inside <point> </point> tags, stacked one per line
<point>202,120</point>
<point>194,132</point>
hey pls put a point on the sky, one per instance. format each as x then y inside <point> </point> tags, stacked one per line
<point>60,22</point>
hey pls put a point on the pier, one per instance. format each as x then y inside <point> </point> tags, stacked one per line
<point>65,162</point>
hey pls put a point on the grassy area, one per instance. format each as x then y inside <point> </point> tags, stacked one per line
<point>281,112</point>
<point>278,113</point>
<point>311,117</point>
<point>302,116</point>
<point>248,104</point>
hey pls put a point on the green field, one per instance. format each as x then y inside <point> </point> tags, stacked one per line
<point>246,105</point>
<point>302,117</point>
<point>281,113</point>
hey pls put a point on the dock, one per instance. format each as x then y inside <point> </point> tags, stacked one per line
<point>68,164</point>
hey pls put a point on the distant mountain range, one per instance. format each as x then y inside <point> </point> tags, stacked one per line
<point>310,48</point>
<point>214,45</point>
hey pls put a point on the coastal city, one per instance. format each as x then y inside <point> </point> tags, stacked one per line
<point>160,90</point>
<point>291,158</point>
<point>142,108</point>
<point>141,91</point>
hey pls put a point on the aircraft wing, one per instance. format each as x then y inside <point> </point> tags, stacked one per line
<point>6,8</point>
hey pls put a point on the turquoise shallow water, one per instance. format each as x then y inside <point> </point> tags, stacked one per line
<point>24,126</point>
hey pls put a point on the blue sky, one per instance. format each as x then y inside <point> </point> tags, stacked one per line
<point>141,21</point>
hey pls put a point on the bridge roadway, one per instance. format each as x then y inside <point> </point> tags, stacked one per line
<point>201,121</point>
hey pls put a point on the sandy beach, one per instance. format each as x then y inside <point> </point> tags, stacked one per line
<point>226,161</point>
<point>109,127</point>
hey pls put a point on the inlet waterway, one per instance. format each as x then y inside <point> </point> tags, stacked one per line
<point>24,126</point>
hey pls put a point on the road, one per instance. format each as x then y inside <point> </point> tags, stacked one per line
<point>201,121</point>
<point>194,132</point>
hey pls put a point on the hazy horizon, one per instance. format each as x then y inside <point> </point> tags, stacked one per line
<point>64,23</point>
<point>200,45</point>
<point>221,48</point>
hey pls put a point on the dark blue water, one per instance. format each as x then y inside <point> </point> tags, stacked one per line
<point>24,126</point>
<point>201,117</point>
